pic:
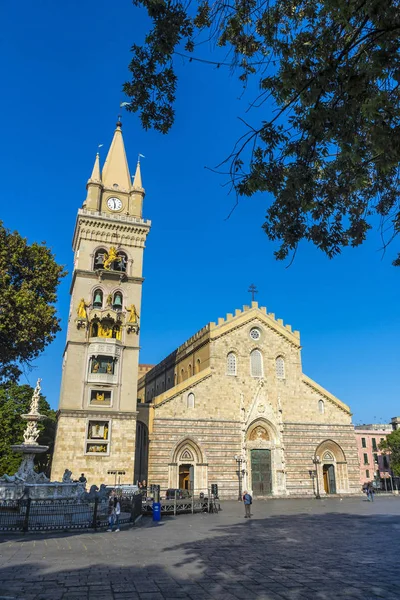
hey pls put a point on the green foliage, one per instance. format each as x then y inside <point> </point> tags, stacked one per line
<point>14,401</point>
<point>392,446</point>
<point>29,277</point>
<point>330,153</point>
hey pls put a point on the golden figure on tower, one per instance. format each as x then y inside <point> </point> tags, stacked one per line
<point>81,311</point>
<point>111,257</point>
<point>133,314</point>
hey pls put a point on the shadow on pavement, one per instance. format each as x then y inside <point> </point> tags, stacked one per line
<point>293,557</point>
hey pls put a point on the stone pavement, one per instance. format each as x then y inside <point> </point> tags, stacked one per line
<point>290,550</point>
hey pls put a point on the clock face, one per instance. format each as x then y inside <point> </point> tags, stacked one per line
<point>114,203</point>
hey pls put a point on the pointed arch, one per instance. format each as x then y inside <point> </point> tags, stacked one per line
<point>188,445</point>
<point>332,448</point>
<point>271,430</point>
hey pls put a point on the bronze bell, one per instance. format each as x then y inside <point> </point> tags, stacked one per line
<point>117,305</point>
<point>98,299</point>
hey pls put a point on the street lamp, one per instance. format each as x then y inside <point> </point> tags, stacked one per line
<point>316,461</point>
<point>240,472</point>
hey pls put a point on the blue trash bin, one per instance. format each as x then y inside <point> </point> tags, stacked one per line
<point>156,511</point>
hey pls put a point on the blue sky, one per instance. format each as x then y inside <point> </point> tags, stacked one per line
<point>62,71</point>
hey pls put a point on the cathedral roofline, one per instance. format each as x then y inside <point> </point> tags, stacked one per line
<point>323,392</point>
<point>214,330</point>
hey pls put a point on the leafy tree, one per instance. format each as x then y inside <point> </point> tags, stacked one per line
<point>392,446</point>
<point>326,143</point>
<point>15,401</point>
<point>29,277</point>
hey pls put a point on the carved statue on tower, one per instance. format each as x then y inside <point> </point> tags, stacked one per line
<point>82,306</point>
<point>133,314</point>
<point>111,257</point>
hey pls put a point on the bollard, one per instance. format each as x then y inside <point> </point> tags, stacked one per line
<point>156,511</point>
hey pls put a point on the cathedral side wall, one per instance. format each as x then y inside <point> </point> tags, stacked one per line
<point>301,443</point>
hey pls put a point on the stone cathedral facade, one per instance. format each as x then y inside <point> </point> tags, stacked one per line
<point>96,431</point>
<point>230,406</point>
<point>233,403</point>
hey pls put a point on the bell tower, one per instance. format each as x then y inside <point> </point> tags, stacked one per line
<point>97,411</point>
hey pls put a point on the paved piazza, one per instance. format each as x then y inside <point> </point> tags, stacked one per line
<point>289,550</point>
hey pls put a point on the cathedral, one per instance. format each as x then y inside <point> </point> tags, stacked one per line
<point>231,406</point>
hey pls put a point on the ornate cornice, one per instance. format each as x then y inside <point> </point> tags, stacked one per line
<point>97,414</point>
<point>110,229</point>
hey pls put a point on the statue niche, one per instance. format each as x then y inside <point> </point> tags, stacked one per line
<point>106,328</point>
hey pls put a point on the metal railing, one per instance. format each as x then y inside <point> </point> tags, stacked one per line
<point>46,515</point>
<point>192,502</point>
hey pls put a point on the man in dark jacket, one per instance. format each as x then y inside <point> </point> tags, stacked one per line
<point>248,500</point>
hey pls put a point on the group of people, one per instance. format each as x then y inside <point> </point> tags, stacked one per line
<point>142,485</point>
<point>369,489</point>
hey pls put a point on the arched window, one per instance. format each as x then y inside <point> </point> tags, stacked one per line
<point>280,367</point>
<point>231,364</point>
<point>162,386</point>
<point>256,364</point>
<point>182,374</point>
<point>321,407</point>
<point>98,299</point>
<point>117,301</point>
<point>99,258</point>
<point>121,263</point>
<point>189,370</point>
<point>190,400</point>
<point>198,365</point>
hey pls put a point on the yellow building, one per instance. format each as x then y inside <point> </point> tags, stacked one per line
<point>97,411</point>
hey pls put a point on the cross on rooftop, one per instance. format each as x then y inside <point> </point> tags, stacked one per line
<point>253,290</point>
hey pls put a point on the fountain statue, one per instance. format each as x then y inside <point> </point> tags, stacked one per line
<point>27,482</point>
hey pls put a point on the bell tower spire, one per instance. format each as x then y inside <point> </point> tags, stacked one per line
<point>116,169</point>
<point>94,187</point>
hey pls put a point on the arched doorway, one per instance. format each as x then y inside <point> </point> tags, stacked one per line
<point>332,468</point>
<point>328,471</point>
<point>260,447</point>
<point>188,470</point>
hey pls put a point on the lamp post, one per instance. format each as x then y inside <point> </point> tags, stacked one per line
<point>316,461</point>
<point>240,472</point>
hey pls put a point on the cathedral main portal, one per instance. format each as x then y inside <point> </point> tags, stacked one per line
<point>261,475</point>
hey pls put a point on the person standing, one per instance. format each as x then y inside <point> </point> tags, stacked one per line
<point>248,501</point>
<point>82,479</point>
<point>111,512</point>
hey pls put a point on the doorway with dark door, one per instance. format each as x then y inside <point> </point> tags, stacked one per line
<point>329,479</point>
<point>186,477</point>
<point>261,473</point>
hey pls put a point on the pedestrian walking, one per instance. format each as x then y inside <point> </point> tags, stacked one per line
<point>117,512</point>
<point>371,492</point>
<point>248,501</point>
